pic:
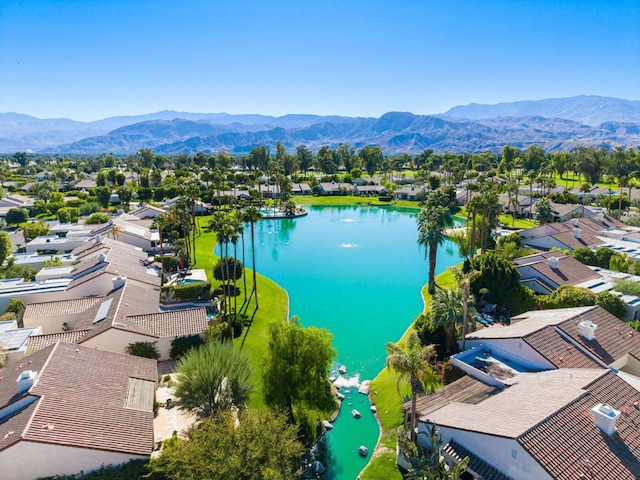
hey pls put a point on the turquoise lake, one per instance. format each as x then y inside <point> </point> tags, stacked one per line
<point>358,272</point>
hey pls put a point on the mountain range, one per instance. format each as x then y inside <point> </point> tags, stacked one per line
<point>555,124</point>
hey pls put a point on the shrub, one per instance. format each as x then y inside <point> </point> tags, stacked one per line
<point>569,296</point>
<point>228,266</point>
<point>181,345</point>
<point>68,214</point>
<point>17,215</point>
<point>143,349</point>
<point>628,287</point>
<point>89,208</point>
<point>189,291</point>
<point>35,229</point>
<point>612,304</point>
<point>15,305</point>
<point>98,217</point>
<point>169,262</point>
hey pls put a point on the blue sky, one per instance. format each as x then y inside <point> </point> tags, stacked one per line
<point>90,59</point>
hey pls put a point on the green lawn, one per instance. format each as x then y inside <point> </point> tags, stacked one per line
<point>349,200</point>
<point>273,299</point>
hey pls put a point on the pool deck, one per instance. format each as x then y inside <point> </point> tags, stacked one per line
<point>195,275</point>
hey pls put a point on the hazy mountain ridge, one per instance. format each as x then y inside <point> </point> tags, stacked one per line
<point>587,109</point>
<point>520,124</point>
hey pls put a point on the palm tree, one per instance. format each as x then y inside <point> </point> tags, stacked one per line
<point>115,231</point>
<point>432,220</point>
<point>411,362</point>
<point>464,279</point>
<point>447,311</point>
<point>161,223</point>
<point>251,215</point>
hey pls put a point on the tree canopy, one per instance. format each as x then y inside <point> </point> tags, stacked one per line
<point>257,445</point>
<point>213,377</point>
<point>296,367</point>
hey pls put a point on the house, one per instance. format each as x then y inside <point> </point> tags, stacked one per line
<point>555,424</point>
<point>104,265</point>
<point>562,212</point>
<point>71,408</point>
<point>554,395</point>
<point>370,190</point>
<point>160,328</point>
<point>301,189</point>
<point>411,192</point>
<point>572,234</point>
<point>55,243</point>
<point>200,208</point>
<point>580,337</point>
<point>544,272</point>
<point>147,211</point>
<point>336,188</point>
<point>268,191</point>
<point>523,207</point>
<point>85,184</point>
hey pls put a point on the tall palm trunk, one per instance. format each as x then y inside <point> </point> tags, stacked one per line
<point>433,252</point>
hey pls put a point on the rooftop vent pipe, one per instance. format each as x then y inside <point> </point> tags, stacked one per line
<point>605,416</point>
<point>26,380</point>
<point>588,329</point>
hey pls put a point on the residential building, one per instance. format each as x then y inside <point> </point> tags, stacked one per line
<point>71,408</point>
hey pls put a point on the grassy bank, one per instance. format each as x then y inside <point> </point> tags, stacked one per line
<point>350,200</point>
<point>274,306</point>
<point>388,397</point>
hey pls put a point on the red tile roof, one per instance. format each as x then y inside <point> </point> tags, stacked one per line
<point>171,324</point>
<point>569,445</point>
<point>81,394</point>
<point>613,337</point>
<point>551,345</point>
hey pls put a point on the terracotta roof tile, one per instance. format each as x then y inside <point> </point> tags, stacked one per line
<point>464,390</point>
<point>569,445</point>
<point>171,324</point>
<point>38,342</point>
<point>551,345</point>
<point>613,338</point>
<point>569,271</point>
<point>81,394</point>
<point>35,311</point>
<point>512,411</point>
<point>476,464</point>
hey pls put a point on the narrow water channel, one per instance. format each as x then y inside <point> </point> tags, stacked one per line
<point>358,272</point>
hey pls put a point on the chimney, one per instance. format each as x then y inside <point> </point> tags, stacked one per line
<point>98,239</point>
<point>553,262</point>
<point>119,282</point>
<point>605,416</point>
<point>101,257</point>
<point>601,217</point>
<point>26,380</point>
<point>574,222</point>
<point>588,329</point>
<point>576,233</point>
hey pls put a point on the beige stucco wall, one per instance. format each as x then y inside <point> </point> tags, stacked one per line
<point>31,460</point>
<point>114,340</point>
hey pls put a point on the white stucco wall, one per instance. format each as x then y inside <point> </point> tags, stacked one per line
<point>505,454</point>
<point>134,240</point>
<point>31,460</point>
<point>515,348</point>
